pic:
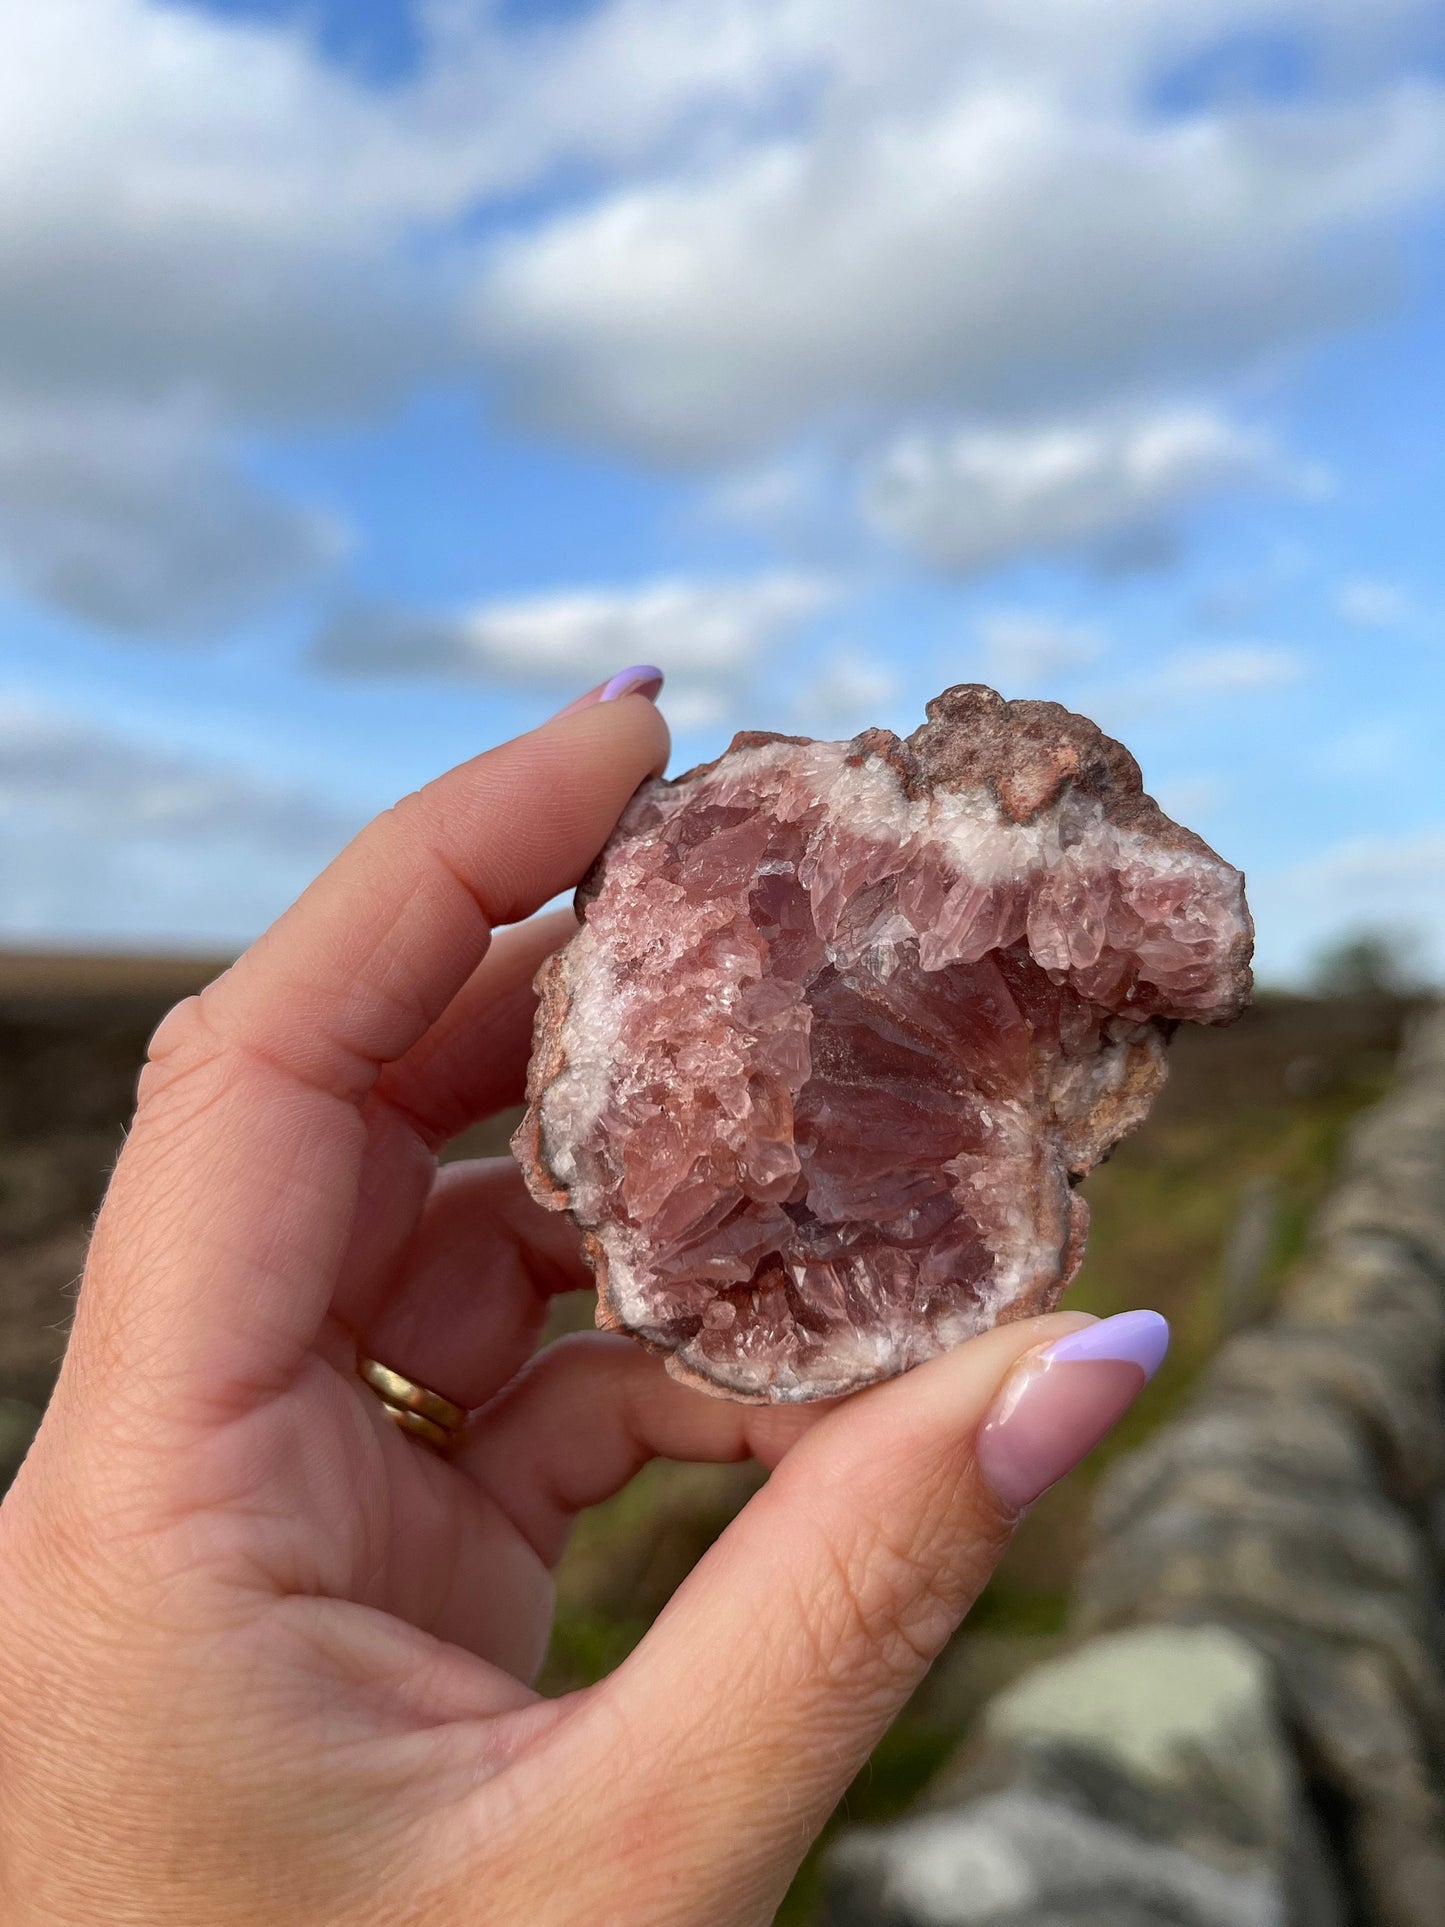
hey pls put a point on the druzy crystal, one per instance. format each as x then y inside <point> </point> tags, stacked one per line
<point>844,1025</point>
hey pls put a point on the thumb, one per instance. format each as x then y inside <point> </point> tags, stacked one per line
<point>765,1684</point>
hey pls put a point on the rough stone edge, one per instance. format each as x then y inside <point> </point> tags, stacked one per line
<point>1024,753</point>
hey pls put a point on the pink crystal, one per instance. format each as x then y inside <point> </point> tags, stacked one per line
<point>844,1025</point>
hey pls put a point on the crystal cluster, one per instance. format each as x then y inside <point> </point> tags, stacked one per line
<point>845,1024</point>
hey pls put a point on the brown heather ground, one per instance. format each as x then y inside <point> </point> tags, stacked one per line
<point>1261,1105</point>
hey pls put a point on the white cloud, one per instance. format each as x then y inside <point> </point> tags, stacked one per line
<point>187,199</point>
<point>971,498</point>
<point>136,519</point>
<point>1376,882</point>
<point>106,836</point>
<point>850,691</point>
<point>205,234</point>
<point>694,707</point>
<point>739,216</point>
<point>1372,605</point>
<point>701,632</point>
<point>192,203</point>
<point>1192,678</point>
<point>1376,872</point>
<point>794,500</point>
<point>68,770</point>
<point>1240,669</point>
<point>1023,653</point>
<point>1015,234</point>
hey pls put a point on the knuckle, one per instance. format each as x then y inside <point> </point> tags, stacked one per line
<point>413,823</point>
<point>407,813</point>
<point>893,1590</point>
<point>419,821</point>
<point>886,1609</point>
<point>184,1042</point>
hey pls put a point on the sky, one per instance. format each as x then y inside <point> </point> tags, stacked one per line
<point>377,375</point>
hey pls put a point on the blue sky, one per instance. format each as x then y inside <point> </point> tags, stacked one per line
<point>374,377</point>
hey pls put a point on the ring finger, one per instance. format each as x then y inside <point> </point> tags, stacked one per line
<point>472,1291</point>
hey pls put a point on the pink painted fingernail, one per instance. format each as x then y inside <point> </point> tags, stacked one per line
<point>642,679</point>
<point>1060,1403</point>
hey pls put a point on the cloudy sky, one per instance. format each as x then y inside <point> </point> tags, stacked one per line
<point>375,375</point>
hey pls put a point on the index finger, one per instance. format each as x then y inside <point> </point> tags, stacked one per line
<point>357,970</point>
<point>217,1251</point>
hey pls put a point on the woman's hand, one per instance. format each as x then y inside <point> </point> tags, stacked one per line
<point>264,1658</point>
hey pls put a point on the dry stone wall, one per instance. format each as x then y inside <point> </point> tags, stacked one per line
<point>1249,1730</point>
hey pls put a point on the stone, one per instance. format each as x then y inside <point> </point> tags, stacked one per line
<point>1384,1189</point>
<point>846,1023</point>
<point>1162,1783</point>
<point>1186,1711</point>
<point>1264,1511</point>
<point>1313,1450</point>
<point>1175,1733</point>
<point>1020,1858</point>
<point>1395,1155</point>
<point>1366,1375</point>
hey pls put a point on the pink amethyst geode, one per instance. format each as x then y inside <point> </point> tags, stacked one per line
<point>845,1024</point>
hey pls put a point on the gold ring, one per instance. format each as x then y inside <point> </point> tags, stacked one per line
<point>416,1409</point>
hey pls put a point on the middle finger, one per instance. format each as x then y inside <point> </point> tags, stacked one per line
<point>471,1064</point>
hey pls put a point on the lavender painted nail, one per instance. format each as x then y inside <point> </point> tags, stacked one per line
<point>1133,1338</point>
<point>642,679</point>
<point>1058,1405</point>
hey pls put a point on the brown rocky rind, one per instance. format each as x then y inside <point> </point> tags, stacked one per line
<point>846,1023</point>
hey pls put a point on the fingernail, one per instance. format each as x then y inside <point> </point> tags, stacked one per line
<point>1060,1403</point>
<point>642,679</point>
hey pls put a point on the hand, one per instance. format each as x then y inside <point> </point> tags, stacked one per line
<point>264,1658</point>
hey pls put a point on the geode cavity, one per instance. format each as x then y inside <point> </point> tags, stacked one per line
<point>844,1025</point>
